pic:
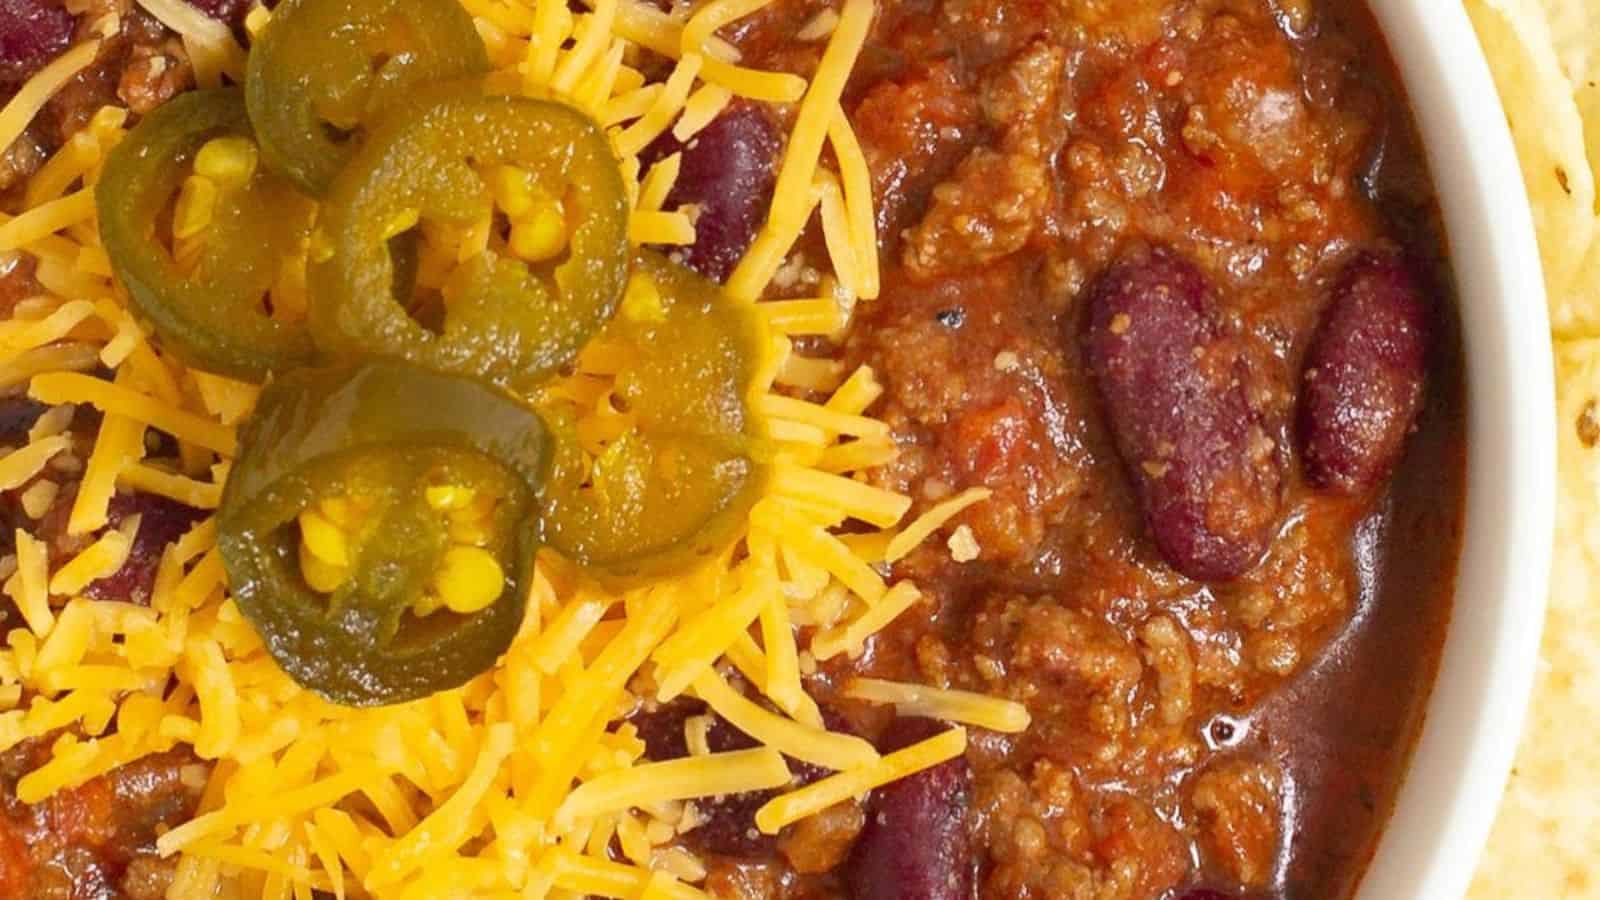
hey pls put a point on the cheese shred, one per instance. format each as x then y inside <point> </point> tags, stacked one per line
<point>789,808</point>
<point>37,91</point>
<point>965,707</point>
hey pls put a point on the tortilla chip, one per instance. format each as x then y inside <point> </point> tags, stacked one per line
<point>1542,106</point>
<point>1575,30</point>
<point>1544,841</point>
<point>1545,55</point>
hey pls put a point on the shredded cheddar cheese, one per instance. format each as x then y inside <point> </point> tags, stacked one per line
<point>521,782</point>
<point>817,796</point>
<point>692,776</point>
<point>965,707</point>
<point>20,465</point>
<point>806,742</point>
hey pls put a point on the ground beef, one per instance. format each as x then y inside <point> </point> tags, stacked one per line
<point>998,197</point>
<point>16,280</point>
<point>1237,805</point>
<point>24,157</point>
<point>914,130</point>
<point>821,842</point>
<point>95,841</point>
<point>140,66</point>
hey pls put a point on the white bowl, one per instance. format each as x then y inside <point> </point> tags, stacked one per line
<point>1447,803</point>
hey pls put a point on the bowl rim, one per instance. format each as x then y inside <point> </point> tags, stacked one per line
<point>1457,775</point>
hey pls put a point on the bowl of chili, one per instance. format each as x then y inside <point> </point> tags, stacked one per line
<point>1160,518</point>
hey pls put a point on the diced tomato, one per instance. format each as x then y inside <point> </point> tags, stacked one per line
<point>84,815</point>
<point>16,866</point>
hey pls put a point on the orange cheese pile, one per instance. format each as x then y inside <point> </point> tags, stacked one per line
<point>518,783</point>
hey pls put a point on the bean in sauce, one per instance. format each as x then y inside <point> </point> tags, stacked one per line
<point>32,33</point>
<point>726,175</point>
<point>1364,376</point>
<point>914,844</point>
<point>1177,395</point>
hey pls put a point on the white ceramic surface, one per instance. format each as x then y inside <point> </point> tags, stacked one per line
<point>1448,801</point>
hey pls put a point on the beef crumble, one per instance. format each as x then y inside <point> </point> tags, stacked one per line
<point>95,841</point>
<point>140,65</point>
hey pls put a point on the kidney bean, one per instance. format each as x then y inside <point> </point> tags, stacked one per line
<point>728,826</point>
<point>661,728</point>
<point>915,844</point>
<point>1176,393</point>
<point>32,32</point>
<point>1364,376</point>
<point>230,12</point>
<point>728,171</point>
<point>727,823</point>
<point>161,522</point>
<point>17,415</point>
<point>1204,894</point>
